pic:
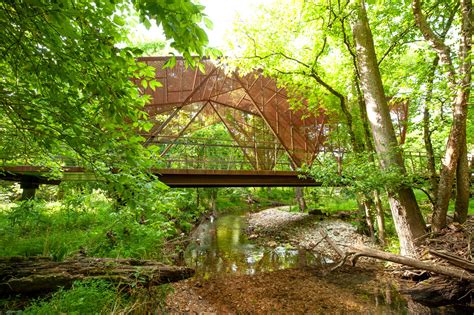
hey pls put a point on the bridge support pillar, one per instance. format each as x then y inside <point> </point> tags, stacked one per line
<point>29,189</point>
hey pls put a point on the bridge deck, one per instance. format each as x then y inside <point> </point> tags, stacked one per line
<point>172,177</point>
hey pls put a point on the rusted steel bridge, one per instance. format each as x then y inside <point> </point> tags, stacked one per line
<point>254,110</point>
<point>267,140</point>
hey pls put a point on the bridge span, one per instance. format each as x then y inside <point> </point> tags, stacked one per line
<point>33,176</point>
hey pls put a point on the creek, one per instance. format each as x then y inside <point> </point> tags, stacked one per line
<point>220,248</point>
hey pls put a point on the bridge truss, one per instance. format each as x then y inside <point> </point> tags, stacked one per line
<point>255,111</point>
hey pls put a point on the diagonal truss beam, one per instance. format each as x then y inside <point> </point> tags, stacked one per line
<point>254,163</point>
<point>267,122</point>
<point>169,146</point>
<point>177,109</point>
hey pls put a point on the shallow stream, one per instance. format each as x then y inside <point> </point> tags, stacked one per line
<point>221,246</point>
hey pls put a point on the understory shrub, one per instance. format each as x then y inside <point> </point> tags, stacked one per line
<point>86,297</point>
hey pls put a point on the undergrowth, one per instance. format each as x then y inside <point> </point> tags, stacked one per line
<point>100,297</point>
<point>66,221</point>
<point>88,221</point>
<point>88,297</point>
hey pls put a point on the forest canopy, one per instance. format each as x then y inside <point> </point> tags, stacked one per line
<point>65,86</point>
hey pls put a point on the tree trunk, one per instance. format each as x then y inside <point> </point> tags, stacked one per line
<point>457,274</point>
<point>463,174</point>
<point>299,195</point>
<point>457,133</point>
<point>431,163</point>
<point>406,214</point>
<point>379,213</point>
<point>367,204</point>
<point>213,197</point>
<point>380,216</point>
<point>198,198</point>
<point>440,292</point>
<point>29,275</point>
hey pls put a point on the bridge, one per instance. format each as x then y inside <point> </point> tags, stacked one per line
<point>267,137</point>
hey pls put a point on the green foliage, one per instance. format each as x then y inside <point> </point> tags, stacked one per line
<point>101,297</point>
<point>66,95</point>
<point>87,297</point>
<point>153,48</point>
<point>90,223</point>
<point>303,45</point>
<point>357,174</point>
<point>331,199</point>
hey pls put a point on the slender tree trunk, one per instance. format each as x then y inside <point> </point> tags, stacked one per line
<point>379,213</point>
<point>356,144</point>
<point>198,198</point>
<point>463,174</point>
<point>380,217</point>
<point>213,197</point>
<point>406,214</point>
<point>367,204</point>
<point>431,162</point>
<point>299,195</point>
<point>457,133</point>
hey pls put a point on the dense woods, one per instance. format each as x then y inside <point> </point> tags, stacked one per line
<point>393,80</point>
<point>362,72</point>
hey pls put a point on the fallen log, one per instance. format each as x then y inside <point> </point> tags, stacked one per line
<point>454,259</point>
<point>31,275</point>
<point>440,292</point>
<point>355,253</point>
<point>325,236</point>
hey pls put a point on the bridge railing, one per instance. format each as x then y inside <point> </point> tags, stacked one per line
<point>208,142</point>
<point>215,164</point>
<point>415,163</point>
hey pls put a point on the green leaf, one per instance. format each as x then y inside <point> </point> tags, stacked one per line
<point>119,20</point>
<point>201,67</point>
<point>170,63</point>
<point>154,84</point>
<point>208,23</point>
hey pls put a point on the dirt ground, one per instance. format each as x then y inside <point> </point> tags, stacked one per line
<point>291,291</point>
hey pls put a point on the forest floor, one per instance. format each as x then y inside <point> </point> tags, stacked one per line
<point>315,289</point>
<point>290,291</point>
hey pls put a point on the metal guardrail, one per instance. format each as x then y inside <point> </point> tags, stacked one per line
<point>415,162</point>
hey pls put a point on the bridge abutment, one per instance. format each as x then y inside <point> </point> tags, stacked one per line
<point>29,187</point>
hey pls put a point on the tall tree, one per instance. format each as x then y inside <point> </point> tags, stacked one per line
<point>455,158</point>
<point>409,222</point>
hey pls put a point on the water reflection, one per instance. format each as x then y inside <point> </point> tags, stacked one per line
<point>221,246</point>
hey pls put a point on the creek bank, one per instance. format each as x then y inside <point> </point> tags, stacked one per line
<point>306,288</point>
<point>278,227</point>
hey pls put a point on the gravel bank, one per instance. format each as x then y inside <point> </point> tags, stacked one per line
<point>278,227</point>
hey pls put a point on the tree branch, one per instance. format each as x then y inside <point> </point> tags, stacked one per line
<point>436,42</point>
